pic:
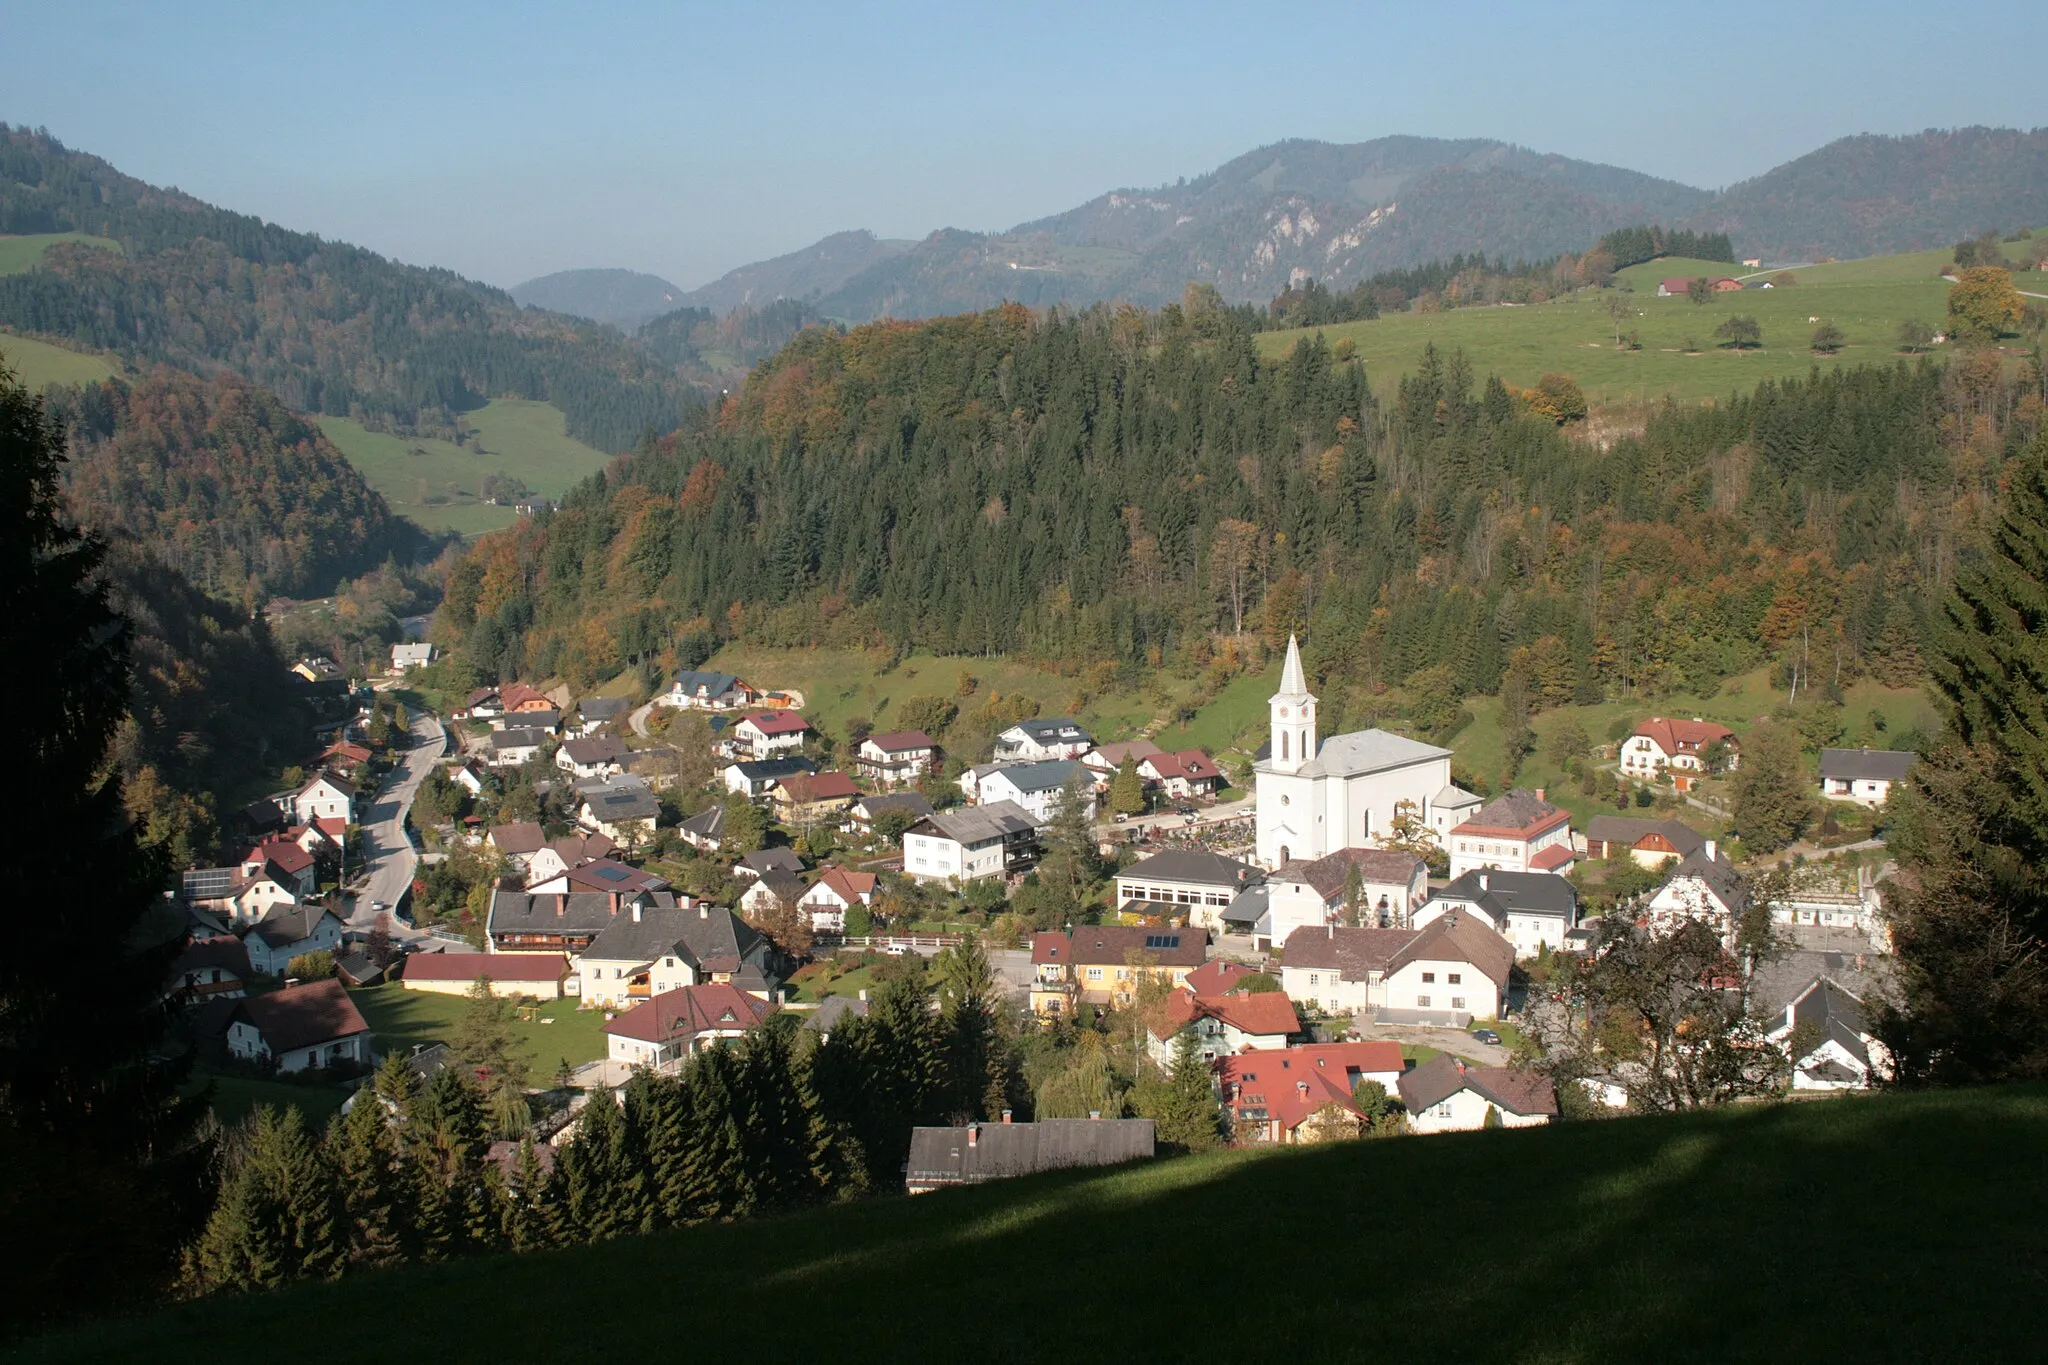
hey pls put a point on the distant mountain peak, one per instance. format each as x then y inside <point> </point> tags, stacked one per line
<point>623,298</point>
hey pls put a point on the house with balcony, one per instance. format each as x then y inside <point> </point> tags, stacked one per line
<point>662,1031</point>
<point>313,1024</point>
<point>1684,750</point>
<point>765,734</point>
<point>1193,886</point>
<point>647,950</point>
<point>995,839</point>
<point>1033,741</point>
<point>1271,1094</point>
<point>897,758</point>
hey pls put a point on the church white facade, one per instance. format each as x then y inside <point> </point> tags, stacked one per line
<point>1315,798</point>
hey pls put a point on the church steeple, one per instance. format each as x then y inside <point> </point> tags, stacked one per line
<point>1293,715</point>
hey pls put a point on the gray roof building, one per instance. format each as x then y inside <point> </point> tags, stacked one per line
<point>1865,765</point>
<point>1498,893</point>
<point>978,824</point>
<point>975,1153</point>
<point>1046,775</point>
<point>763,861</point>
<point>1197,866</point>
<point>709,937</point>
<point>1368,751</point>
<point>519,921</point>
<point>1629,832</point>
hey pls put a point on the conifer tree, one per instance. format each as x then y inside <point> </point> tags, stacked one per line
<point>278,1219</point>
<point>445,1145</point>
<point>528,1196</point>
<point>367,1178</point>
<point>1127,789</point>
<point>1184,1108</point>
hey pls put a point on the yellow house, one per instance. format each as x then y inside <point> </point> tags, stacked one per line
<point>1102,964</point>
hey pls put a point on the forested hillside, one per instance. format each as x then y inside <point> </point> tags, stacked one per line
<point>1124,489</point>
<point>623,298</point>
<point>246,498</point>
<point>329,328</point>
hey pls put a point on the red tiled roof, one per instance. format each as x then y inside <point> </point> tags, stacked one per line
<point>902,741</point>
<point>1191,764</point>
<point>805,788</point>
<point>1292,1083</point>
<point>516,695</point>
<point>497,966</point>
<point>333,826</point>
<point>1109,944</point>
<point>1052,948</point>
<point>283,854</point>
<point>688,1011</point>
<point>299,1016</point>
<point>1683,736</point>
<point>1217,978</point>
<point>341,748</point>
<point>851,886</point>
<point>776,722</point>
<point>1268,1014</point>
<point>1552,858</point>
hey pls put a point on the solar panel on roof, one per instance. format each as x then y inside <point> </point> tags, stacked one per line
<point>1162,940</point>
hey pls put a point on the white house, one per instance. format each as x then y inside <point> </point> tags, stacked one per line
<point>1444,1095</point>
<point>1517,831</point>
<point>1221,1024</point>
<point>1864,776</point>
<point>764,734</point>
<point>622,809</point>
<point>314,1024</point>
<point>1705,887</point>
<point>754,780</point>
<point>600,756</point>
<point>895,758</point>
<point>646,950</point>
<point>1036,787</point>
<point>1836,1049</point>
<point>517,842</point>
<point>662,1031</point>
<point>1678,748</point>
<point>1315,797</point>
<point>1038,740</point>
<point>990,840</point>
<point>469,776</point>
<point>286,932</point>
<point>1531,910</point>
<point>832,895</point>
<point>406,656</point>
<point>709,692</point>
<point>1391,887</point>
<point>1193,883</point>
<point>1453,970</point>
<point>514,747</point>
<point>325,797</point>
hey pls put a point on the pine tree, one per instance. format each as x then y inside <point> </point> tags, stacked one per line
<point>528,1194</point>
<point>367,1177</point>
<point>1127,789</point>
<point>1184,1109</point>
<point>277,1219</point>
<point>106,1178</point>
<point>1772,807</point>
<point>445,1147</point>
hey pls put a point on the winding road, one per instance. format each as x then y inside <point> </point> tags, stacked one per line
<point>387,850</point>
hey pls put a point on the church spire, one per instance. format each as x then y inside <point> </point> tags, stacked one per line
<point>1293,716</point>
<point>1292,683</point>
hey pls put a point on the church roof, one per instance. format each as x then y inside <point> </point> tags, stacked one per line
<point>1368,751</point>
<point>1293,683</point>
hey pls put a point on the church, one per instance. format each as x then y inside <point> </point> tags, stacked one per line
<point>1315,798</point>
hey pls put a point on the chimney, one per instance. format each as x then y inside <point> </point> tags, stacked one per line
<point>1094,1113</point>
<point>974,1135</point>
<point>1006,1116</point>
<point>864,1000</point>
<point>1713,851</point>
<point>1332,927</point>
<point>636,912</point>
<point>704,911</point>
<point>1482,880</point>
<point>1541,795</point>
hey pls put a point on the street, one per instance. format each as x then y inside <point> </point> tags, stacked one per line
<point>388,855</point>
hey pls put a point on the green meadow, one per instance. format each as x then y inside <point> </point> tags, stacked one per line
<point>38,364</point>
<point>22,253</point>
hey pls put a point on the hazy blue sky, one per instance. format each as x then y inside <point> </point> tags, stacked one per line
<point>507,140</point>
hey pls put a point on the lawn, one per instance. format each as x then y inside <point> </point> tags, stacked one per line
<point>1237,712</point>
<point>515,437</point>
<point>235,1097</point>
<point>402,1019</point>
<point>38,364</point>
<point>22,253</point>
<point>1869,1229</point>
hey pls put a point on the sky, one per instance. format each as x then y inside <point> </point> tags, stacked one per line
<point>509,140</point>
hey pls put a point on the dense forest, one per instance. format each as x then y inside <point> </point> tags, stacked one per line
<point>248,499</point>
<point>694,339</point>
<point>330,328</point>
<point>1130,489</point>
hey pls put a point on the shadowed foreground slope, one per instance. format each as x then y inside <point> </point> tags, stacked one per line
<point>1882,1228</point>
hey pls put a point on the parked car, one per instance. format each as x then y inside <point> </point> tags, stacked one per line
<point>1486,1035</point>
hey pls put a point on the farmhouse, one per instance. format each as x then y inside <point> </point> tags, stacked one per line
<point>1682,748</point>
<point>1518,831</point>
<point>309,1025</point>
<point>1315,797</point>
<point>1864,776</point>
<point>1650,843</point>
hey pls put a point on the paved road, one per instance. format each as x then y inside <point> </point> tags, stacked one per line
<point>387,851</point>
<point>638,719</point>
<point>1171,821</point>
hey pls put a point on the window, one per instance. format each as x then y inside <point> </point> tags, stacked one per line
<point>1455,978</point>
<point>1095,973</point>
<point>1442,1111</point>
<point>1428,977</point>
<point>1314,979</point>
<point>1457,1002</point>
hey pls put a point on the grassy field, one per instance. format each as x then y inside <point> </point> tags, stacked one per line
<point>1680,358</point>
<point>1884,1228</point>
<point>514,436</point>
<point>401,1018</point>
<point>840,684</point>
<point>38,364</point>
<point>21,253</point>
<point>235,1097</point>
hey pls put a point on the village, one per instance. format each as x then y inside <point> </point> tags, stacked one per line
<point>1354,945</point>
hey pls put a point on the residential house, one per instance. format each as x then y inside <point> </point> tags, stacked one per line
<point>624,809</point>
<point>512,975</point>
<point>608,876</point>
<point>1187,774</point>
<point>709,692</point>
<point>896,758</point>
<point>662,1031</point>
<point>1453,971</point>
<point>513,748</point>
<point>483,703</point>
<point>1221,1024</point>
<point>861,815</point>
<point>763,861</point>
<point>996,839</point>
<point>1864,776</point>
<point>594,713</point>
<point>1038,740</point>
<point>325,796</point>
<point>236,899</point>
<point>1680,286</point>
<point>755,780</point>
<point>1192,885</point>
<point>557,856</point>
<point>976,1153</point>
<point>318,668</point>
<point>705,830</point>
<point>1052,986</point>
<point>313,1024</point>
<point>211,969</point>
<point>343,757</point>
<point>545,720</point>
<point>289,864</point>
<point>1682,749</point>
<point>414,655</point>
<point>764,734</point>
<point>1705,887</point>
<point>1650,843</point>
<point>522,922</point>
<point>646,951</point>
<point>1219,976</point>
<point>1531,910</point>
<point>1826,1034</point>
<point>1272,1094</point>
<point>1105,962</point>
<point>812,799</point>
<point>602,756</point>
<point>1518,831</point>
<point>1338,969</point>
<point>517,842</point>
<point>1105,760</point>
<point>1391,884</point>
<point>1444,1095</point>
<point>1036,787</point>
<point>832,895</point>
<point>775,891</point>
<point>468,775</point>
<point>520,699</point>
<point>286,932</point>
